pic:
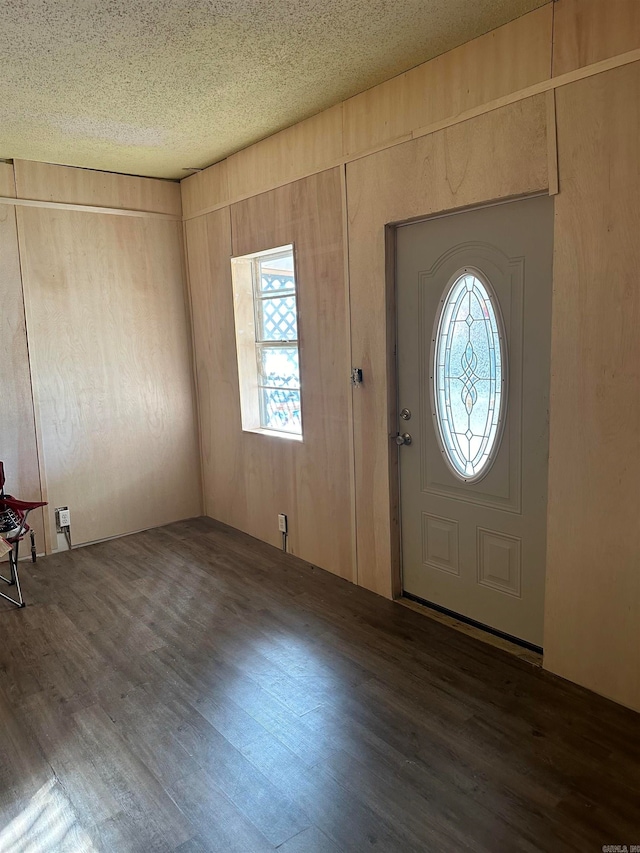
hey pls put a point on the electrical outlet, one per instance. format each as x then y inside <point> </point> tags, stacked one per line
<point>63,518</point>
<point>282,522</point>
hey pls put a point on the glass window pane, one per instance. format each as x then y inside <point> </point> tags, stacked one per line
<point>276,274</point>
<point>277,319</point>
<point>468,376</point>
<point>281,409</point>
<point>279,367</point>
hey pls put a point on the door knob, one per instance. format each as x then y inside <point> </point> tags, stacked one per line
<point>405,438</point>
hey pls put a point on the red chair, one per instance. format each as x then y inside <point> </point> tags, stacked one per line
<point>13,529</point>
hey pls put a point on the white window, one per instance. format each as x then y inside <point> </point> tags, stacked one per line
<point>266,317</point>
<point>469,369</point>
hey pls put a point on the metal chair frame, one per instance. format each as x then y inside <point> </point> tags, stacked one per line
<point>14,579</point>
<point>22,510</point>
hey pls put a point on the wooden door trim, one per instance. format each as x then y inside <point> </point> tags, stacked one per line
<point>390,235</point>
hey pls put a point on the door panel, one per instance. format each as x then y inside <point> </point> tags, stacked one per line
<point>478,548</point>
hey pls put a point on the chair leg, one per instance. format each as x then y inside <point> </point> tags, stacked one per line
<point>9,580</point>
<point>15,579</point>
<point>12,564</point>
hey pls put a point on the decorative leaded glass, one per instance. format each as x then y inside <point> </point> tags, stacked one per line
<point>469,375</point>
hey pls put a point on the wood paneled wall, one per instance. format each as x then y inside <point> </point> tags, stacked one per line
<point>470,127</point>
<point>501,62</point>
<point>592,632</point>
<point>443,171</point>
<point>308,147</point>
<point>250,478</point>
<point>208,244</point>
<point>18,448</point>
<point>587,31</point>
<point>505,60</point>
<point>205,189</point>
<point>46,182</point>
<point>109,344</point>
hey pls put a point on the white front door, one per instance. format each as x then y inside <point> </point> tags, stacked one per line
<point>474,319</point>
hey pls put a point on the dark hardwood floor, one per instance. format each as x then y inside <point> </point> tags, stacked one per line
<point>191,689</point>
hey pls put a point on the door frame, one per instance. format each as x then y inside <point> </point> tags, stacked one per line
<point>391,297</point>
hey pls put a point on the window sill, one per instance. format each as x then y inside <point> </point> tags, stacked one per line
<point>272,433</point>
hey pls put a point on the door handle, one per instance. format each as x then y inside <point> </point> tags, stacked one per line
<point>405,438</point>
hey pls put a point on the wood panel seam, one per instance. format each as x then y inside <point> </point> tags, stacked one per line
<point>350,418</point>
<point>553,35</point>
<point>48,539</point>
<point>194,364</point>
<point>543,86</point>
<point>30,369</point>
<point>552,143</point>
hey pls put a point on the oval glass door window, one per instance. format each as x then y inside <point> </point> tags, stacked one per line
<point>468,362</point>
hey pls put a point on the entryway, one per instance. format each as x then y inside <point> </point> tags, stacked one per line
<point>473,345</point>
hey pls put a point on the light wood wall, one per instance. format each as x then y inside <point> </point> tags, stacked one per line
<point>65,184</point>
<point>250,478</point>
<point>592,632</point>
<point>502,62</point>
<point>18,448</point>
<point>588,31</point>
<point>310,146</point>
<point>451,84</point>
<point>109,347</point>
<point>442,171</point>
<point>475,125</point>
<point>518,60</point>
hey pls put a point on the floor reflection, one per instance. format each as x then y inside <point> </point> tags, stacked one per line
<point>48,823</point>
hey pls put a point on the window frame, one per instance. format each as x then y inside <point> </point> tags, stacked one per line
<point>251,342</point>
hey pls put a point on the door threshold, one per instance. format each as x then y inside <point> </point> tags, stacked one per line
<point>530,654</point>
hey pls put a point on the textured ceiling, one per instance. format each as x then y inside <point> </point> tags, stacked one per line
<point>149,87</point>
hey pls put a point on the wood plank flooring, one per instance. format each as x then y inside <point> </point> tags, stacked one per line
<point>191,689</point>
